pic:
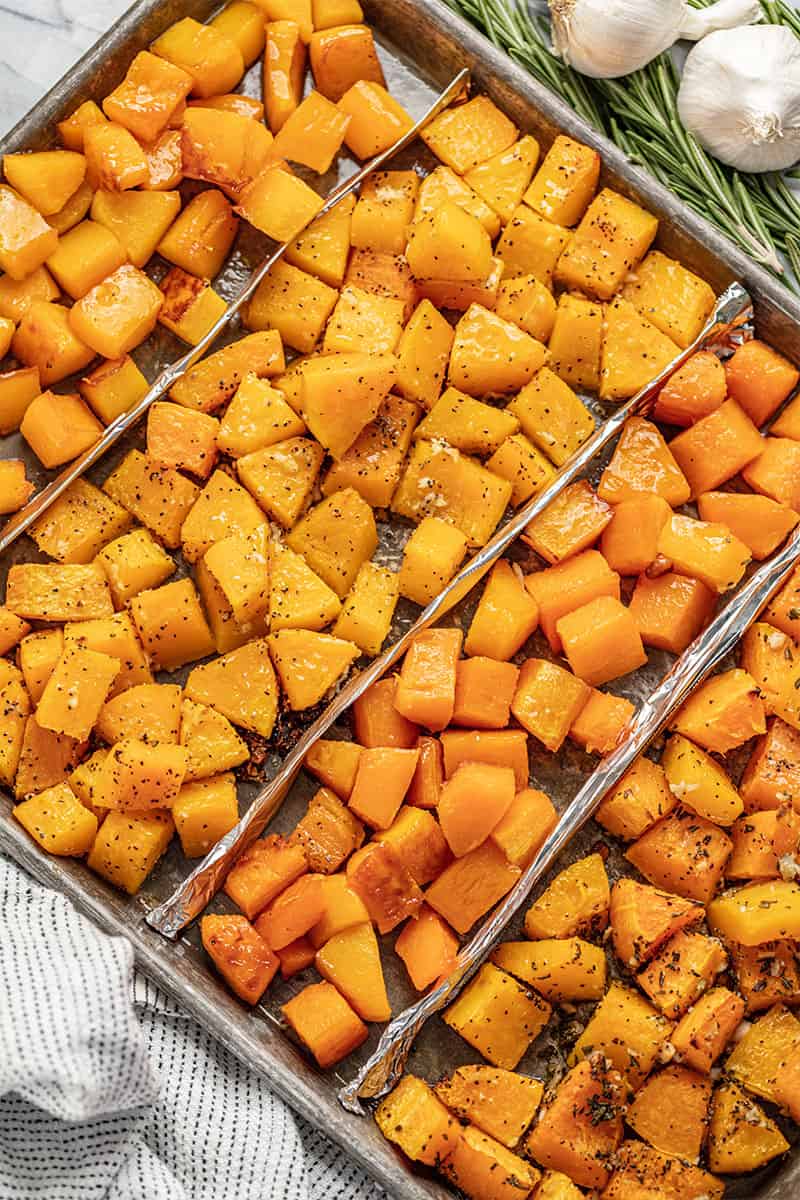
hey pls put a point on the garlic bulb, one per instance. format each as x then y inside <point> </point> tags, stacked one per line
<point>740,97</point>
<point>609,38</point>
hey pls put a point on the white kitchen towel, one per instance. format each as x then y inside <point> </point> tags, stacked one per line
<point>108,1091</point>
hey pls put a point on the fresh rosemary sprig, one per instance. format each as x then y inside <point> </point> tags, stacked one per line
<point>640,114</point>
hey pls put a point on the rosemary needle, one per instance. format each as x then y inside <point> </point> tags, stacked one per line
<point>640,114</point>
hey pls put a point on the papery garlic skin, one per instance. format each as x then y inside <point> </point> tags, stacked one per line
<point>740,97</point>
<point>606,39</point>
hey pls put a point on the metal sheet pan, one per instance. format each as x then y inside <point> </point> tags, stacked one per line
<point>434,44</point>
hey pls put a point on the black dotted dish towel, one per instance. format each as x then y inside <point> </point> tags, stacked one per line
<point>109,1092</point>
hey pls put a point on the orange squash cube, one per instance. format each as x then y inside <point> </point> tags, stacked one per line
<point>644,918</point>
<point>328,832</point>
<point>325,1023</point>
<point>72,129</point>
<point>506,616</point>
<point>341,56</point>
<point>313,134</point>
<point>642,462</point>
<point>681,971</point>
<point>465,135</point>
<point>717,447</point>
<point>351,961</point>
<point>199,240</point>
<point>284,71</point>
<point>761,523</point>
<point>547,701</point>
<point>383,777</point>
<point>296,957</point>
<point>776,471</point>
<point>484,691</point>
<point>682,853</point>
<point>58,428</point>
<point>770,658</point>
<point>15,489</point>
<point>601,641</point>
<point>164,162</point>
<point>416,840</point>
<point>118,314</point>
<point>783,610</point>
<point>707,551</point>
<point>426,785</point>
<point>527,822</point>
<point>413,1118</point>
<point>640,798</point>
<point>759,379</point>
<point>431,557</point>
<point>560,589</point>
<point>17,390</point>
<point>292,913</point>
<point>481,1166</point>
<point>765,974</point>
<point>115,161</point>
<point>113,387</point>
<point>213,61</point>
<point>671,610</point>
<point>243,23</point>
<point>472,803</point>
<point>26,239</point>
<point>426,687</point>
<point>386,888</point>
<point>629,543</point>
<point>190,306</point>
<point>427,948</point>
<point>702,1035</point>
<point>613,236</point>
<point>724,712</point>
<point>334,764</point>
<point>240,954</point>
<point>262,872</point>
<point>501,748</point>
<point>575,902</point>
<point>45,339</point>
<point>344,909</point>
<point>753,856</point>
<point>422,355</point>
<point>376,118</point>
<point>224,148</point>
<point>600,722</point>
<point>17,295</point>
<point>772,775</point>
<point>278,203</point>
<point>376,721</point>
<point>471,885</point>
<point>181,438</point>
<point>570,523</point>
<point>565,182</point>
<point>148,96</point>
<point>523,465</point>
<point>696,390</point>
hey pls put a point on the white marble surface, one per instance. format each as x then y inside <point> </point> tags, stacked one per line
<point>39,41</point>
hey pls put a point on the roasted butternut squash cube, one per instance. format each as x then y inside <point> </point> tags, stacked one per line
<point>758,1056</point>
<point>481,1166</point>
<point>630,543</point>
<point>499,1102</point>
<point>373,464</point>
<point>298,598</point>
<point>472,803</point>
<point>133,563</point>
<point>313,134</point>
<point>601,641</point>
<point>484,691</point>
<point>325,1023</point>
<point>492,355</point>
<point>427,947</point>
<point>707,551</point>
<point>164,162</point>
<point>577,901</point>
<point>761,523</point>
<point>560,969</point>
<point>505,618</point>
<point>753,855</point>
<point>699,782</point>
<point>361,318</point>
<point>137,776</point>
<point>328,833</point>
<point>46,340</point>
<point>334,764</point>
<point>342,55</point>
<point>774,472</point>
<point>681,971</point>
<point>627,1030</point>
<point>182,438</point>
<point>377,120</point>
<point>671,610</point>
<point>73,211</point>
<point>149,711</point>
<point>243,23</point>
<point>343,909</point>
<point>717,447</point>
<point>759,913</point>
<point>213,61</point>
<point>386,275</point>
<point>113,387</point>
<point>724,712</point>
<point>336,537</point>
<point>139,220</point>
<point>772,775</point>
<point>17,390</point>
<point>465,135</point>
<point>384,210</point>
<point>426,688</point>
<point>451,244</point>
<point>440,481</point>
<point>786,1082</point>
<point>502,179</point>
<point>526,825</point>
<point>368,608</point>
<point>682,853</point>
<point>671,297</point>
<point>612,238</point>
<point>309,663</point>
<point>278,203</point>
<point>504,748</point>
<point>284,71</point>
<point>245,961</point>
<point>77,525</point>
<point>15,488</point>
<point>634,352</point>
<point>498,1016</point>
<point>84,256</point>
<point>640,1170</point>
<point>416,840</point>
<point>769,656</point>
<point>265,869</point>
<point>642,462</point>
<point>58,428</point>
<point>190,306</point>
<point>40,758</point>
<point>115,161</point>
<point>128,846</point>
<point>565,182</point>
<point>547,700</point>
<point>323,249</point>
<point>644,918</point>
<point>575,341</point>
<point>258,416</point>
<point>27,239</point>
<point>694,391</point>
<point>431,557</point>
<point>701,1036</point>
<point>376,721</point>
<point>340,393</point>
<point>327,13</point>
<point>211,742</point>
<point>12,630</point>
<point>639,800</point>
<point>382,779</point>
<point>117,314</point>
<point>741,1137</point>
<point>75,692</point>
<point>760,379</point>
<point>148,96</point>
<point>241,685</point>
<point>570,523</point>
<point>292,913</point>
<point>200,237</point>
<point>599,724</point>
<point>58,821</point>
<point>171,624</point>
<point>351,961</point>
<point>468,424</point>
<point>413,1118</point>
<point>471,885</point>
<point>580,1130</point>
<point>58,592</point>
<point>223,508</point>
<point>71,130</point>
<point>526,302</point>
<point>443,186</point>
<point>282,477</point>
<point>384,885</point>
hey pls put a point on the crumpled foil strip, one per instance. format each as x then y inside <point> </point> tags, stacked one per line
<point>732,310</point>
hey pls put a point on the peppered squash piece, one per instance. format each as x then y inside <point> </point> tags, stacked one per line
<point>727,710</point>
<point>501,1103</point>
<point>468,134</point>
<point>613,236</point>
<point>211,743</point>
<point>576,340</point>
<point>530,245</point>
<point>241,685</point>
<point>579,1131</point>
<point>576,901</point>
<point>159,497</point>
<point>682,853</point>
<point>498,1016</point>
<point>639,800</point>
<point>671,297</point>
<point>525,301</point>
<point>222,508</point>
<point>343,55</point>
<point>328,833</point>
<point>214,380</point>
<point>74,694</point>
<point>322,250</point>
<point>702,1034</point>
<point>502,179</point>
<point>45,339</point>
<point>490,355</point>
<point>368,608</point>
<point>449,244</point>
<point>466,423</point>
<point>757,1057</point>
<point>766,974</point>
<point>415,1120</point>
<point>560,969</point>
<point>741,1137</point>
<point>633,352</point>
<point>772,774</point>
<point>299,599</point>
<point>442,186</point>
<point>58,592</point>
<point>137,775</point>
<point>171,624</point>
<point>58,821</point>
<point>12,630</point>
<point>771,659</point>
<point>627,1030</point>
<point>480,1166</point>
<point>335,538</point>
<point>787,1091</point>
<point>681,971</point>
<point>644,918</point>
<point>642,1173</point>
<point>431,557</point>
<point>308,664</point>
<point>203,812</point>
<point>670,1111</point>
<point>79,524</point>
<point>699,782</point>
<point>759,913</point>
<point>42,760</point>
<point>240,954</point>
<point>282,477</point>
<point>565,182</point>
<point>441,482</point>
<point>128,846</point>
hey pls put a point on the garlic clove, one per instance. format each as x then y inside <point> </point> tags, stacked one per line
<point>725,14</point>
<point>740,97</point>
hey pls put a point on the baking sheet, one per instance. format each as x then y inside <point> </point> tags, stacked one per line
<point>441,44</point>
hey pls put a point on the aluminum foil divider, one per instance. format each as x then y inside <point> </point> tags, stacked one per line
<point>191,897</point>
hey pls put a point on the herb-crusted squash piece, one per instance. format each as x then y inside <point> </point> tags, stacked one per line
<point>501,1103</point>
<point>643,918</point>
<point>415,1119</point>
<point>560,969</point>
<point>480,1166</point>
<point>682,853</point>
<point>628,1030</point>
<point>576,901</point>
<point>639,1171</point>
<point>681,971</point>
<point>670,1111</point>
<point>741,1137</point>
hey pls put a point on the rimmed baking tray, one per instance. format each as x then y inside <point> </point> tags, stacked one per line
<point>435,44</point>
